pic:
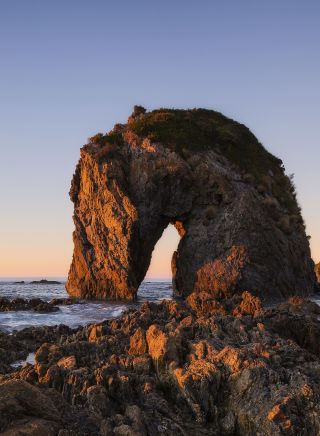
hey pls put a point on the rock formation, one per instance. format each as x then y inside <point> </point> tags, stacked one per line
<point>203,366</point>
<point>230,200</point>
<point>36,304</point>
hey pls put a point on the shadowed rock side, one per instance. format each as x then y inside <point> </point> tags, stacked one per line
<point>317,271</point>
<point>203,366</point>
<point>229,199</point>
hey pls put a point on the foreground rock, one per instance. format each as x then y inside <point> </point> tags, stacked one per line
<point>204,367</point>
<point>16,346</point>
<point>36,412</point>
<point>230,200</point>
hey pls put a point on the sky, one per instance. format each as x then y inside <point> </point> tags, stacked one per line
<point>70,69</point>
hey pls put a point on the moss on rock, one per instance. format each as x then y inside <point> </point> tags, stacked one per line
<point>193,130</point>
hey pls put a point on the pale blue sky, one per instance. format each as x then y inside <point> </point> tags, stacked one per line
<point>72,68</point>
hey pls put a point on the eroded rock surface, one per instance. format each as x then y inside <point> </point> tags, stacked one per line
<point>16,346</point>
<point>317,271</point>
<point>173,369</point>
<point>230,200</point>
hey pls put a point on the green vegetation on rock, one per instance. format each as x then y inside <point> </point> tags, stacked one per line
<point>203,129</point>
<point>114,138</point>
<point>194,130</point>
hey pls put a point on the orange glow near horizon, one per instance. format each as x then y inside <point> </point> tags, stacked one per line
<point>160,266</point>
<point>40,246</point>
<point>29,264</point>
<point>50,255</point>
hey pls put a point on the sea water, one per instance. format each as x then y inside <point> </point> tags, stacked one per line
<point>72,315</point>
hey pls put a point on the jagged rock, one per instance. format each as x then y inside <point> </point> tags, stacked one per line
<point>249,305</point>
<point>230,200</point>
<point>15,347</point>
<point>67,362</point>
<point>204,303</point>
<point>244,370</point>
<point>161,345</point>
<point>35,304</point>
<point>138,343</point>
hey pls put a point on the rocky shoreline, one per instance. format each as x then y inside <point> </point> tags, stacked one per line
<point>203,366</point>
<point>217,362</point>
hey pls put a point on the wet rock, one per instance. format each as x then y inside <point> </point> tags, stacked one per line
<point>65,301</point>
<point>11,350</point>
<point>17,346</point>
<point>45,308</point>
<point>20,304</point>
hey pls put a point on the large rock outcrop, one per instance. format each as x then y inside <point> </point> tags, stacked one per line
<point>230,200</point>
<point>173,369</point>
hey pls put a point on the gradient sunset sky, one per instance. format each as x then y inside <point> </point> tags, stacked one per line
<point>70,69</point>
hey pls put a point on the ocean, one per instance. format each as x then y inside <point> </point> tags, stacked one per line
<point>75,315</point>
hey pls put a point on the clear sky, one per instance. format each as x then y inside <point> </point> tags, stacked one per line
<point>72,68</point>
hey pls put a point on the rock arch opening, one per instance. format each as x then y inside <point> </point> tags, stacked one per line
<point>161,258</point>
<point>158,279</point>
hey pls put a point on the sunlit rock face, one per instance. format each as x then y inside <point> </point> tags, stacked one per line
<point>233,206</point>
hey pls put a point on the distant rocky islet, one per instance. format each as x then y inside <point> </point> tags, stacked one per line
<point>38,282</point>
